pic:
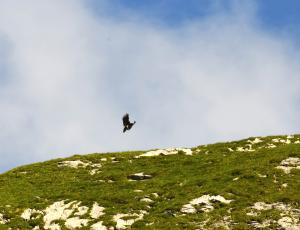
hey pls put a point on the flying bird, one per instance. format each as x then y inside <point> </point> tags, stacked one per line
<point>127,124</point>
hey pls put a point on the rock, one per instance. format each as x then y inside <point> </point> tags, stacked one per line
<point>2,219</point>
<point>75,222</point>
<point>147,200</point>
<point>123,223</point>
<point>96,211</point>
<point>27,214</point>
<point>98,226</point>
<point>288,164</point>
<point>165,152</point>
<point>205,202</point>
<point>139,176</point>
<point>73,164</point>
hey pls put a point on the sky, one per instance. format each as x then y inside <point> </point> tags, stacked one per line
<point>190,72</point>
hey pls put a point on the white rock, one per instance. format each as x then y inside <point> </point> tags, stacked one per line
<point>2,219</point>
<point>288,223</point>
<point>240,149</point>
<point>188,208</point>
<point>206,203</point>
<point>291,161</point>
<point>261,176</point>
<point>168,151</point>
<point>262,206</point>
<point>57,211</point>
<point>98,165</point>
<point>226,223</point>
<point>147,200</point>
<point>288,164</point>
<point>270,146</point>
<point>93,171</point>
<point>149,224</point>
<point>76,222</point>
<point>78,163</point>
<point>123,224</point>
<point>289,215</point>
<point>73,164</point>
<point>98,226</point>
<point>96,211</point>
<point>255,141</point>
<point>264,224</point>
<point>247,148</point>
<point>26,215</point>
<point>251,213</point>
<point>81,210</point>
<point>54,226</point>
<point>278,140</point>
<point>155,194</point>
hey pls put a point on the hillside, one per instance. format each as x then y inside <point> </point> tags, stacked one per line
<point>247,184</point>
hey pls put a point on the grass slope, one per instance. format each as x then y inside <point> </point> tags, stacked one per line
<point>245,177</point>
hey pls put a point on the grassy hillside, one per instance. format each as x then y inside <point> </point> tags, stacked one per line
<point>247,184</point>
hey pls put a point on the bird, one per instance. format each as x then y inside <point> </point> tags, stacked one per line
<point>127,124</point>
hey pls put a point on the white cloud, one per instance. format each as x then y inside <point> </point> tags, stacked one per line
<point>70,76</point>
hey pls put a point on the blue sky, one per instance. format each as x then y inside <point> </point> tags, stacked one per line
<point>272,14</point>
<point>189,72</point>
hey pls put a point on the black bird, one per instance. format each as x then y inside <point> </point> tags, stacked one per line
<point>127,124</point>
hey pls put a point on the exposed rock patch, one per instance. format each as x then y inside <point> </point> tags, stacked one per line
<point>168,151</point>
<point>288,164</point>
<point>94,171</point>
<point>81,209</point>
<point>76,222</point>
<point>98,226</point>
<point>255,141</point>
<point>2,219</point>
<point>147,200</point>
<point>247,148</point>
<point>125,220</point>
<point>57,211</point>
<point>80,164</point>
<point>29,213</point>
<point>290,217</point>
<point>204,203</point>
<point>69,212</point>
<point>96,211</point>
<point>259,143</point>
<point>73,164</point>
<point>225,223</point>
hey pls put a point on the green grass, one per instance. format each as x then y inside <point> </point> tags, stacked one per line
<point>177,179</point>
